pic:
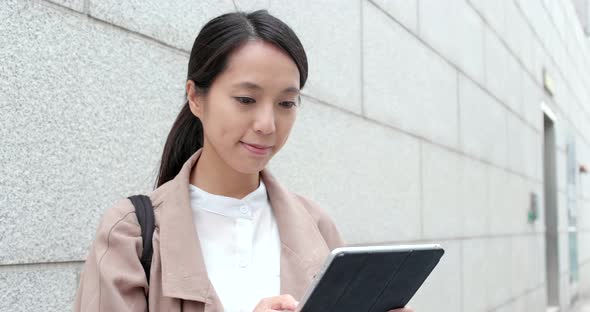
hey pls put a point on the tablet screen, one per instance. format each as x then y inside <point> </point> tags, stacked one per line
<point>365,279</point>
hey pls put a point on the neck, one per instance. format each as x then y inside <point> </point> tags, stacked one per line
<point>214,176</point>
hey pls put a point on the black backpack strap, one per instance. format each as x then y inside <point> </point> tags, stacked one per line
<point>145,215</point>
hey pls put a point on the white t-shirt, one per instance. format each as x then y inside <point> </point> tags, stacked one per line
<point>241,246</point>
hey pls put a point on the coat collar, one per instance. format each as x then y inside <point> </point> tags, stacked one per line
<point>184,274</point>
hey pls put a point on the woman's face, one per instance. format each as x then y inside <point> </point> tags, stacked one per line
<point>250,108</point>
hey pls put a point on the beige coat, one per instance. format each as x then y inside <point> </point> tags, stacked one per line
<point>113,278</point>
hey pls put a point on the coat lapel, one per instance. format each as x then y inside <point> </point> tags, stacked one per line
<point>303,248</point>
<point>184,275</point>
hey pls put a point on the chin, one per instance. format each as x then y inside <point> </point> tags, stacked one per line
<point>250,167</point>
<point>247,164</point>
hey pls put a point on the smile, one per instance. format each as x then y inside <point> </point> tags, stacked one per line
<point>258,150</point>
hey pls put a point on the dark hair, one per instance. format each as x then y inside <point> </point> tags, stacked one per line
<point>208,58</point>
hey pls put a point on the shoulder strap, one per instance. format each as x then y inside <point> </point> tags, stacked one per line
<point>145,215</point>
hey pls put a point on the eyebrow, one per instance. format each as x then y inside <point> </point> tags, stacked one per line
<point>255,87</point>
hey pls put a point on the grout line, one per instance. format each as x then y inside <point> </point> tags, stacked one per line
<point>444,239</point>
<point>99,21</point>
<point>511,53</point>
<point>484,35</point>
<point>384,11</point>
<point>175,49</point>
<point>184,52</point>
<point>522,65</point>
<point>459,69</point>
<point>488,200</point>
<point>424,139</point>
<point>142,36</point>
<point>526,292</point>
<point>459,123</point>
<point>33,264</point>
<point>362,55</point>
<point>417,17</point>
<point>461,277</point>
<point>509,152</point>
<point>560,35</point>
<point>421,177</point>
<point>553,60</point>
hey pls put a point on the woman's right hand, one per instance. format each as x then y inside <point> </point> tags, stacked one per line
<point>277,303</point>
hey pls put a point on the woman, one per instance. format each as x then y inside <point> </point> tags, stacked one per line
<point>229,236</point>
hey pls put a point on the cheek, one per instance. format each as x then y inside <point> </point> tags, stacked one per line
<point>284,126</point>
<point>226,135</point>
<point>222,122</point>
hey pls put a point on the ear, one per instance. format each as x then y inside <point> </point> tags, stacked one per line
<point>195,99</point>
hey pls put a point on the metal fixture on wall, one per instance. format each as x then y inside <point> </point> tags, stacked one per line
<point>533,213</point>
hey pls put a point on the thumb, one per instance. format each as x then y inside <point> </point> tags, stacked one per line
<point>284,302</point>
<point>290,306</point>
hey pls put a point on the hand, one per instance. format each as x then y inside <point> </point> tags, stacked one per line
<point>280,303</point>
<point>405,309</point>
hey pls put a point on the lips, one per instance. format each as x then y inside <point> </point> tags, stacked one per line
<point>257,149</point>
<point>258,145</point>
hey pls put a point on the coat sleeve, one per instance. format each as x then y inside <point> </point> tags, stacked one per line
<point>112,278</point>
<point>325,224</point>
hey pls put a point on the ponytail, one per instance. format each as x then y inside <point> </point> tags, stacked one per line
<point>184,139</point>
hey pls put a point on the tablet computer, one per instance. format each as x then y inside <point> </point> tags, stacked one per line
<point>370,278</point>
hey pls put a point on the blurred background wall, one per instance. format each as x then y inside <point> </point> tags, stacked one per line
<point>459,122</point>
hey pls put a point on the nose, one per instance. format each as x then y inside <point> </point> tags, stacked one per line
<point>264,121</point>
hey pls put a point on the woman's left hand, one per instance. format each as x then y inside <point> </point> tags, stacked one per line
<point>405,309</point>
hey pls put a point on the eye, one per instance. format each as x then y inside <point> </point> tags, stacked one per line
<point>288,104</point>
<point>245,100</point>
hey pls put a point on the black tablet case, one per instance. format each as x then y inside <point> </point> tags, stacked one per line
<point>378,284</point>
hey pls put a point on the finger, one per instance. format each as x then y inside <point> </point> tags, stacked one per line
<point>288,298</point>
<point>283,302</point>
<point>405,309</point>
<point>281,306</point>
